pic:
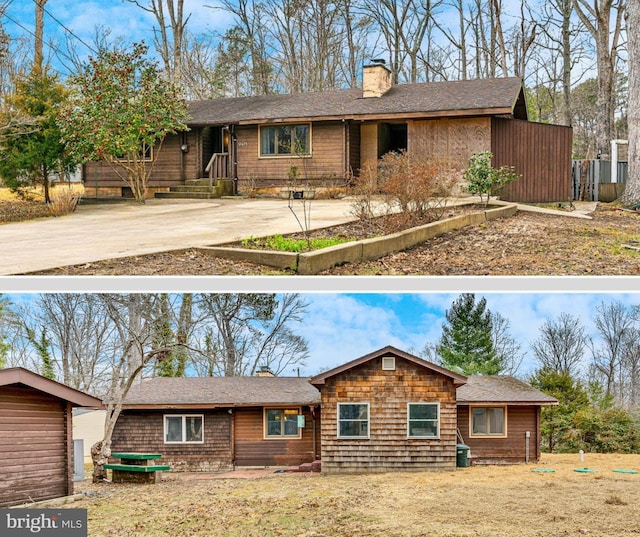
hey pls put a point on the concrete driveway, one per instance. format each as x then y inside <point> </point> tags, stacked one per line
<point>96,232</point>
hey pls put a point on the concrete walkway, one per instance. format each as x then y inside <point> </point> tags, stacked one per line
<point>97,232</point>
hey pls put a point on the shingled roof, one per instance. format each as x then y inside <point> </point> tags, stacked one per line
<point>492,97</point>
<point>496,389</point>
<point>214,392</point>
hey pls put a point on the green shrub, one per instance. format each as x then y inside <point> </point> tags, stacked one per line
<point>485,180</point>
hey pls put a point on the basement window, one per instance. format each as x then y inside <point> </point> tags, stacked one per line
<point>488,421</point>
<point>187,429</point>
<point>353,420</point>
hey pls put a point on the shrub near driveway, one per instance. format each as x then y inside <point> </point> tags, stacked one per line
<point>484,501</point>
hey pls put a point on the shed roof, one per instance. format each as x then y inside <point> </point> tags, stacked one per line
<point>385,351</point>
<point>215,392</point>
<point>501,389</point>
<point>485,97</point>
<point>19,375</point>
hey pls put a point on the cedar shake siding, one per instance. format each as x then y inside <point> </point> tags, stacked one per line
<point>511,448</point>
<point>388,447</point>
<point>33,446</point>
<point>252,448</point>
<point>143,431</point>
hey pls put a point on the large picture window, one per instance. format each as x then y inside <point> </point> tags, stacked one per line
<point>488,421</point>
<point>353,420</point>
<point>186,429</point>
<point>285,141</point>
<point>423,420</point>
<point>281,422</point>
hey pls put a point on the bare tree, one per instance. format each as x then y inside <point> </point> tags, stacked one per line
<point>561,344</point>
<point>596,16</point>
<point>507,348</point>
<point>615,323</point>
<point>172,21</point>
<point>631,194</point>
<point>244,331</point>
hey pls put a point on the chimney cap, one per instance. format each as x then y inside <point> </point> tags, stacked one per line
<point>378,61</point>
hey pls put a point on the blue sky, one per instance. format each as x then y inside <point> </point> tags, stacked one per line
<point>81,17</point>
<point>341,326</point>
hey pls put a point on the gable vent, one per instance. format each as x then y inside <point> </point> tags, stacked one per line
<point>388,363</point>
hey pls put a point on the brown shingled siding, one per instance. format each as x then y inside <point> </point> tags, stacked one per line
<point>142,431</point>
<point>326,163</point>
<point>541,153</point>
<point>388,393</point>
<point>34,446</point>
<point>252,449</point>
<point>511,449</point>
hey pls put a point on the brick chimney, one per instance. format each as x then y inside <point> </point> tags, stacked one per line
<point>264,371</point>
<point>376,79</point>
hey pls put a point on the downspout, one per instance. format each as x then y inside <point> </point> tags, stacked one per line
<point>345,149</point>
<point>233,149</point>
<point>315,441</point>
<point>233,438</point>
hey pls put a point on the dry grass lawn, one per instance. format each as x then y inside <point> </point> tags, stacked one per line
<point>477,501</point>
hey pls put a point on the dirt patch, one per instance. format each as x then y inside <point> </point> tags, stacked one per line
<point>487,501</point>
<point>525,244</point>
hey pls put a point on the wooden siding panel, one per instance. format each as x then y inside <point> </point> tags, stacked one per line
<point>452,140</point>
<point>327,161</point>
<point>252,449</point>
<point>166,172</point>
<point>512,448</point>
<point>540,152</point>
<point>144,431</point>
<point>33,454</point>
<point>388,393</point>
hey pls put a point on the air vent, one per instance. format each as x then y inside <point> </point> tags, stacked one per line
<point>388,363</point>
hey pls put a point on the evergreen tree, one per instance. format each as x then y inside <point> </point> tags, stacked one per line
<point>32,147</point>
<point>466,345</point>
<point>557,421</point>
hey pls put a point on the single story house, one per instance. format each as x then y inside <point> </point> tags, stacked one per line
<point>326,137</point>
<point>387,410</point>
<point>36,439</point>
<point>216,423</point>
<point>88,426</point>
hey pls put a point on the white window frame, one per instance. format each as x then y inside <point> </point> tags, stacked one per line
<point>368,420</point>
<point>293,154</point>
<point>437,420</point>
<point>265,428</point>
<point>183,428</point>
<point>391,363</point>
<point>488,435</point>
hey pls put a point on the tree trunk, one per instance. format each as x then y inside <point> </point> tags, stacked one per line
<point>38,56</point>
<point>631,194</point>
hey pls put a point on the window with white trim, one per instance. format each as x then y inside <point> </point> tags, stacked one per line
<point>388,363</point>
<point>423,420</point>
<point>285,140</point>
<point>281,422</point>
<point>184,429</point>
<point>488,421</point>
<point>353,420</point>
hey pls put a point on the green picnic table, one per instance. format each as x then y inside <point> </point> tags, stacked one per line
<point>136,468</point>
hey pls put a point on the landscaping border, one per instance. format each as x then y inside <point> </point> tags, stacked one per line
<point>310,263</point>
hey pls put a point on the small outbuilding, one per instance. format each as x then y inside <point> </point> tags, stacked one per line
<point>36,438</point>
